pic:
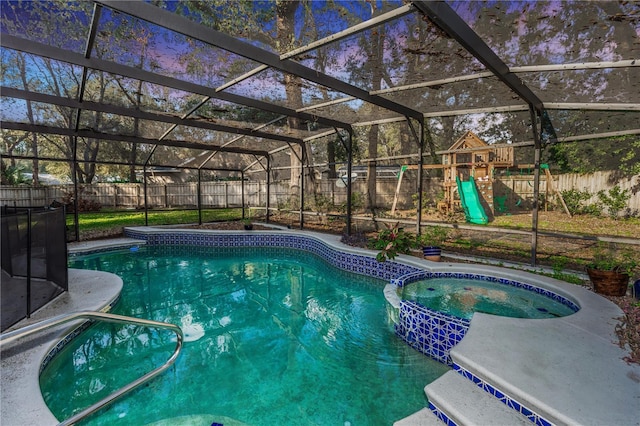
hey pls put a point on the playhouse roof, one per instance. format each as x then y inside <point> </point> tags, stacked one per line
<point>468,140</point>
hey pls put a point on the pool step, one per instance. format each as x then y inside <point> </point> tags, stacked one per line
<point>423,417</point>
<point>464,403</point>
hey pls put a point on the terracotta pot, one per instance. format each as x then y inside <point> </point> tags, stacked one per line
<point>609,283</point>
<point>432,253</point>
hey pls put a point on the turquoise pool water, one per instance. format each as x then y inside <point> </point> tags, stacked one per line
<point>273,337</point>
<point>463,297</point>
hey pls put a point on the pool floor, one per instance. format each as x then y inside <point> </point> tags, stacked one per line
<point>272,337</point>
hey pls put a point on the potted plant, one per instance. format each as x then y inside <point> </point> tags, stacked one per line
<point>431,239</point>
<point>393,241</point>
<point>610,273</point>
<point>247,224</point>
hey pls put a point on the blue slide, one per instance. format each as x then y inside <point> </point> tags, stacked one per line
<point>470,201</point>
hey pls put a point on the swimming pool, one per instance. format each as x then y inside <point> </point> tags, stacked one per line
<point>273,336</point>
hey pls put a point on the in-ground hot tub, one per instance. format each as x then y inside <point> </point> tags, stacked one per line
<point>434,309</point>
<point>462,297</point>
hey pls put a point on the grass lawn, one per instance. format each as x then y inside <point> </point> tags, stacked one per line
<point>116,220</point>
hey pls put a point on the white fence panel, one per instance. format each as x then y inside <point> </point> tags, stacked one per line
<point>23,196</point>
<point>216,194</point>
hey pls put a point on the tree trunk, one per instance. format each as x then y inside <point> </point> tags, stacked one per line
<point>371,169</point>
<point>331,159</point>
<point>34,137</point>
<point>293,88</point>
<point>376,55</point>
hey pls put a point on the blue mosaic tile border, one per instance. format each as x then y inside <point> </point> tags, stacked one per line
<point>422,275</point>
<point>430,332</point>
<point>359,264</point>
<point>505,399</point>
<point>441,415</point>
<point>105,249</point>
<point>54,351</point>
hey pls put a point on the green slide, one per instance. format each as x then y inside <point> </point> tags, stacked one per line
<point>470,201</point>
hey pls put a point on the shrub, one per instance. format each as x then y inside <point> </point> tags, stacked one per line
<point>322,203</point>
<point>84,204</point>
<point>357,239</point>
<point>433,236</point>
<point>606,258</point>
<point>357,202</point>
<point>426,200</point>
<point>615,200</point>
<point>13,175</point>
<point>393,241</point>
<point>576,202</point>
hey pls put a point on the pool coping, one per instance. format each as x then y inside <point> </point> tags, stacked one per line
<point>490,345</point>
<point>21,400</point>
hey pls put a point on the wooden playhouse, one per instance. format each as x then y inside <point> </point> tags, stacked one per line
<point>471,156</point>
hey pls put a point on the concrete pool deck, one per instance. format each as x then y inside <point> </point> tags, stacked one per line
<point>21,401</point>
<point>569,370</point>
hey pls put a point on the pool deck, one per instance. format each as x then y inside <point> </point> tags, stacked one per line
<point>21,401</point>
<point>570,369</point>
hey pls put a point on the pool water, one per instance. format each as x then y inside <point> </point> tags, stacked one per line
<point>273,336</point>
<point>463,297</point>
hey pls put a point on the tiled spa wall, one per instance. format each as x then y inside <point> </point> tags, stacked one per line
<point>430,332</point>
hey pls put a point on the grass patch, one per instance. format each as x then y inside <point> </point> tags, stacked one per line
<point>119,219</point>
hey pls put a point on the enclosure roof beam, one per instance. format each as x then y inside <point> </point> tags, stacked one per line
<point>181,25</point>
<point>587,106</point>
<point>240,78</point>
<point>273,151</point>
<point>519,69</point>
<point>356,29</point>
<point>241,137</point>
<point>136,113</point>
<point>565,139</point>
<point>381,121</point>
<point>326,104</point>
<point>114,163</point>
<point>320,135</point>
<point>363,26</point>
<point>575,66</point>
<point>604,135</point>
<point>496,109</point>
<point>46,51</point>
<point>92,134</point>
<point>185,116</point>
<point>469,77</point>
<point>442,15</point>
<point>91,38</point>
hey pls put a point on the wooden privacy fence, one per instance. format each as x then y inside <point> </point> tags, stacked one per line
<point>229,194</point>
<point>131,195</point>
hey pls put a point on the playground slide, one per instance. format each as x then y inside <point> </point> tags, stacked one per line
<point>470,201</point>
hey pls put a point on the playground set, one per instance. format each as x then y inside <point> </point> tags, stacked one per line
<point>469,169</point>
